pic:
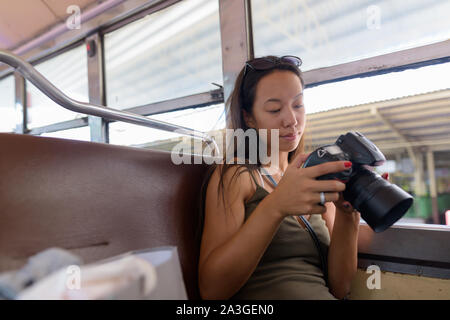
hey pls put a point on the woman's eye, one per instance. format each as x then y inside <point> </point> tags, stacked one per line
<point>299,106</point>
<point>274,111</point>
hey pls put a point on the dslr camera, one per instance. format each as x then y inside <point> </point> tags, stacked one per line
<point>380,202</point>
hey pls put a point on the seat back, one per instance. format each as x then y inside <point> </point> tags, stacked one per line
<point>96,200</point>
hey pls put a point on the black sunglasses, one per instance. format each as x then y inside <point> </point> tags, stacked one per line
<point>260,64</point>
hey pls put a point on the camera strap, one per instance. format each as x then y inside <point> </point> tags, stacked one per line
<point>309,228</point>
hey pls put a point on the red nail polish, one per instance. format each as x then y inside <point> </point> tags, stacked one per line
<point>347,164</point>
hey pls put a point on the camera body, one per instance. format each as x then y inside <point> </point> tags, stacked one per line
<point>353,147</point>
<point>381,203</point>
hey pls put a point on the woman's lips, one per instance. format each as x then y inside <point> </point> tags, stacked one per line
<point>290,137</point>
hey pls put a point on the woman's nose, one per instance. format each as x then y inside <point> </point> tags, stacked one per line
<point>289,118</point>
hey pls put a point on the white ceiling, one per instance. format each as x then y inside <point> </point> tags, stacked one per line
<point>22,20</point>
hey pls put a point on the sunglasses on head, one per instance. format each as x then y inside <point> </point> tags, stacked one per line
<point>260,64</point>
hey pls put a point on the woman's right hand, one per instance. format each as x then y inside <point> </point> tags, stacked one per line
<point>298,192</point>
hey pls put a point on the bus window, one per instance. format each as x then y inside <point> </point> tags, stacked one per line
<point>9,117</point>
<point>406,115</point>
<point>68,72</point>
<point>171,53</point>
<point>322,33</point>
<point>207,119</point>
<point>82,134</point>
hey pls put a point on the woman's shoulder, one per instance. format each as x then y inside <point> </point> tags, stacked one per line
<point>234,178</point>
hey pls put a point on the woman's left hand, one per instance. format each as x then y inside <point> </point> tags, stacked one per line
<point>345,206</point>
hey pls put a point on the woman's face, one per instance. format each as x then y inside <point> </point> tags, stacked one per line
<point>279,105</point>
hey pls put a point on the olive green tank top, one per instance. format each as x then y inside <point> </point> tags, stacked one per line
<point>290,268</point>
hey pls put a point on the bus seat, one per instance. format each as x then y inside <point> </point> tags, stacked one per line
<point>96,200</point>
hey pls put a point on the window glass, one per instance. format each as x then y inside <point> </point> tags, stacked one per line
<point>326,33</point>
<point>82,134</point>
<point>68,72</point>
<point>206,119</point>
<point>407,115</point>
<point>422,210</point>
<point>8,115</point>
<point>171,53</point>
<point>377,88</point>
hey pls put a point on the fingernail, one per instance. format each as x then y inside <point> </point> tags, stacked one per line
<point>346,205</point>
<point>347,164</point>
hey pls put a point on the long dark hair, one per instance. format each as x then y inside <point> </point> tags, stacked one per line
<point>242,99</point>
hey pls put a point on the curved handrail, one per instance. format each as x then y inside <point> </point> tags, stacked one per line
<point>35,77</point>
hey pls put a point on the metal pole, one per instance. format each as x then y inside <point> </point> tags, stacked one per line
<point>98,126</point>
<point>21,103</point>
<point>433,187</point>
<point>237,42</point>
<point>35,77</point>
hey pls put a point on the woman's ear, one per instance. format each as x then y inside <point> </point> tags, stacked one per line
<point>248,118</point>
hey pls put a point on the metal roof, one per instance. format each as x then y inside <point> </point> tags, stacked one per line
<point>412,121</point>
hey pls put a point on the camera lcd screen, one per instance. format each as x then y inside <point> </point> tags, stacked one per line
<point>333,150</point>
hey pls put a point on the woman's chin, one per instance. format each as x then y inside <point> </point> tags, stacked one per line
<point>288,146</point>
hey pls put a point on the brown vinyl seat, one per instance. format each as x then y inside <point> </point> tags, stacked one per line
<point>96,200</point>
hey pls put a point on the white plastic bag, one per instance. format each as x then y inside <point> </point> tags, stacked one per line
<point>129,277</point>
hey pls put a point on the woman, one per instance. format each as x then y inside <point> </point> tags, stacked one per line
<point>254,245</point>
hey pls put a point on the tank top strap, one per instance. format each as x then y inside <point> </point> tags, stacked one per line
<point>254,179</point>
<point>269,177</point>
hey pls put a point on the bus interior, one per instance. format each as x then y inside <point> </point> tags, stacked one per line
<point>95,96</point>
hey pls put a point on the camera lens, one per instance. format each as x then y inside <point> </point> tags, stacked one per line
<point>380,203</point>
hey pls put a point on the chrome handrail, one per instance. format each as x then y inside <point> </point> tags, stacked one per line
<point>35,77</point>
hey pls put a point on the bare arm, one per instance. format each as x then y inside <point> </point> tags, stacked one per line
<point>343,250</point>
<point>231,249</point>
<point>343,224</point>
